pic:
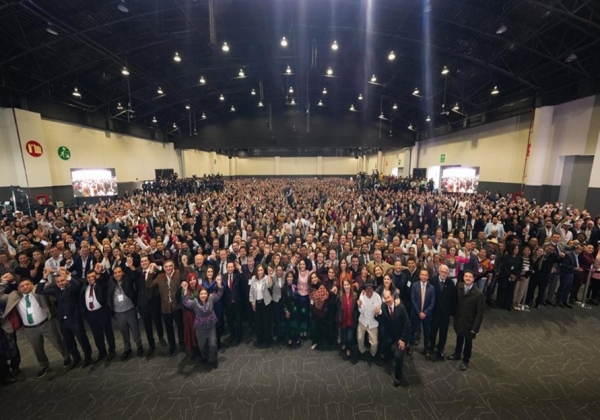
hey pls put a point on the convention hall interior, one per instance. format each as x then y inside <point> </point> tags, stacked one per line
<point>300,209</point>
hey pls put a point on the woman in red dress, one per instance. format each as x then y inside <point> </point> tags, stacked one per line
<point>189,337</point>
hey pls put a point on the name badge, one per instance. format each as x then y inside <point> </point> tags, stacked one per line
<point>408,284</point>
<point>120,298</point>
<point>30,311</point>
<point>480,269</point>
<point>312,302</point>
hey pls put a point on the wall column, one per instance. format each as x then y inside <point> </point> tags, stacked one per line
<point>212,165</point>
<point>319,165</point>
<point>538,164</point>
<point>380,162</point>
<point>277,166</point>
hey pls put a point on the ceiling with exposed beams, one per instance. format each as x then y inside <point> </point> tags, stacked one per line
<point>525,48</point>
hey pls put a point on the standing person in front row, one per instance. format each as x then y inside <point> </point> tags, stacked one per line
<point>422,297</point>
<point>468,318</point>
<point>205,324</point>
<point>94,299</point>
<point>168,287</point>
<point>260,298</point>
<point>445,307</point>
<point>397,327</point>
<point>369,307</point>
<point>38,320</point>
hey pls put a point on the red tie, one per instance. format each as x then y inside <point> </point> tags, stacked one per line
<point>230,282</point>
<point>92,296</point>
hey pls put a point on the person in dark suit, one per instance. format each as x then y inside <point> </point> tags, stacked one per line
<point>226,239</point>
<point>468,318</point>
<point>445,307</point>
<point>544,234</point>
<point>83,264</point>
<point>234,284</point>
<point>94,300</point>
<point>66,289</point>
<point>397,327</point>
<point>423,301</point>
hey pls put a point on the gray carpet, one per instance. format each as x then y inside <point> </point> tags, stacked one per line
<point>539,365</point>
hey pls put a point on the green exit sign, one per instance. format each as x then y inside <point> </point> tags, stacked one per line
<point>442,158</point>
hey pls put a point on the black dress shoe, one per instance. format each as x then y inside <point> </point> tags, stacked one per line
<point>162,342</point>
<point>536,306</point>
<point>42,372</point>
<point>560,305</point>
<point>140,351</point>
<point>7,381</point>
<point>215,365</point>
<point>568,305</point>
<point>549,303</point>
<point>464,366</point>
<point>440,355</point>
<point>427,355</point>
<point>182,348</point>
<point>86,363</point>
<point>15,372</point>
<point>125,355</point>
<point>172,352</point>
<point>454,357</point>
<point>150,352</point>
<point>409,350</point>
<point>111,355</point>
<point>98,358</point>
<point>397,383</point>
<point>67,362</point>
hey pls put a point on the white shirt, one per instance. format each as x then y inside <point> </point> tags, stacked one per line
<point>87,300</point>
<point>53,264</point>
<point>36,311</point>
<point>367,310</point>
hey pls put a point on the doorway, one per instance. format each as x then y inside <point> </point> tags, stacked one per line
<point>575,180</point>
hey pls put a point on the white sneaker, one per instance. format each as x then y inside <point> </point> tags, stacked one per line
<point>314,346</point>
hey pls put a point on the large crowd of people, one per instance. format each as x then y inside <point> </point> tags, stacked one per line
<point>371,272</point>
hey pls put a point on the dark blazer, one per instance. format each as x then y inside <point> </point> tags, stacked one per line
<point>67,300</point>
<point>77,266</point>
<point>472,264</point>
<point>222,240</point>
<point>405,289</point>
<point>415,297</point>
<point>445,297</point>
<point>129,288</point>
<point>469,311</point>
<point>237,292</point>
<point>397,325</point>
<point>100,292</point>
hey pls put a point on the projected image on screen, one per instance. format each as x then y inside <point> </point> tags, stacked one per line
<point>94,182</point>
<point>460,179</point>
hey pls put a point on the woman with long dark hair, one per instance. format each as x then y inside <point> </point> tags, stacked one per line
<point>510,270</point>
<point>347,317</point>
<point>319,295</point>
<point>210,284</point>
<point>260,298</point>
<point>189,316</point>
<point>289,295</point>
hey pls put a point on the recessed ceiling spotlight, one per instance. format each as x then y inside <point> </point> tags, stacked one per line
<point>253,92</point>
<point>222,98</point>
<point>329,71</point>
<point>360,97</point>
<point>445,70</point>
<point>334,46</point>
<point>123,7</point>
<point>76,93</point>
<point>160,91</point>
<point>391,56</point>
<point>225,47</point>
<point>501,29</point>
<point>284,42</point>
<point>495,91</point>
<point>202,80</point>
<point>176,57</point>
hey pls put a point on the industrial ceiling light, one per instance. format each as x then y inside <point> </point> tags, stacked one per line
<point>188,107</point>
<point>176,57</point>
<point>232,108</point>
<point>395,106</point>
<point>572,57</point>
<point>125,71</point>
<point>288,70</point>
<point>174,125</point>
<point>334,46</point>
<point>253,92</point>
<point>76,93</point>
<point>455,107</point>
<point>203,116</point>
<point>123,7</point>
<point>160,91</point>
<point>352,108</point>
<point>360,97</point>
<point>495,91</point>
<point>391,56</point>
<point>50,29</point>
<point>501,29</point>
<point>428,119</point>
<point>222,98</point>
<point>154,120</point>
<point>320,103</point>
<point>119,106</point>
<point>283,42</point>
<point>324,91</point>
<point>260,104</point>
<point>291,90</point>
<point>225,47</point>
<point>416,92</point>
<point>410,127</point>
<point>381,116</point>
<point>202,80</point>
<point>445,71</point>
<point>293,102</point>
<point>373,79</point>
<point>241,73</point>
<point>329,71</point>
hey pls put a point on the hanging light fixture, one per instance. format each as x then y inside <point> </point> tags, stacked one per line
<point>501,29</point>
<point>395,106</point>
<point>495,91</point>
<point>445,71</point>
<point>154,120</point>
<point>288,70</point>
<point>428,119</point>
<point>320,103</point>
<point>202,80</point>
<point>123,7</point>
<point>225,47</point>
<point>360,97</point>
<point>119,106</point>
<point>232,108</point>
<point>284,42</point>
<point>241,73</point>
<point>381,116</point>
<point>416,92</point>
<point>176,57</point>
<point>293,101</point>
<point>329,71</point>
<point>76,93</point>
<point>188,107</point>
<point>373,79</point>
<point>291,89</point>
<point>253,92</point>
<point>455,107</point>
<point>572,57</point>
<point>410,127</point>
<point>260,104</point>
<point>50,29</point>
<point>160,91</point>
<point>352,108</point>
<point>222,98</point>
<point>324,91</point>
<point>174,125</point>
<point>203,116</point>
<point>334,46</point>
<point>125,71</point>
<point>391,56</point>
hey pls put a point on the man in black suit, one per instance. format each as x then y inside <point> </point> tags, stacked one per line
<point>94,300</point>
<point>66,290</point>
<point>445,306</point>
<point>468,318</point>
<point>226,239</point>
<point>122,299</point>
<point>82,264</point>
<point>397,330</point>
<point>234,284</point>
<point>422,297</point>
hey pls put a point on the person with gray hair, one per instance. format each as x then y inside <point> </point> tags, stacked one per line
<point>444,308</point>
